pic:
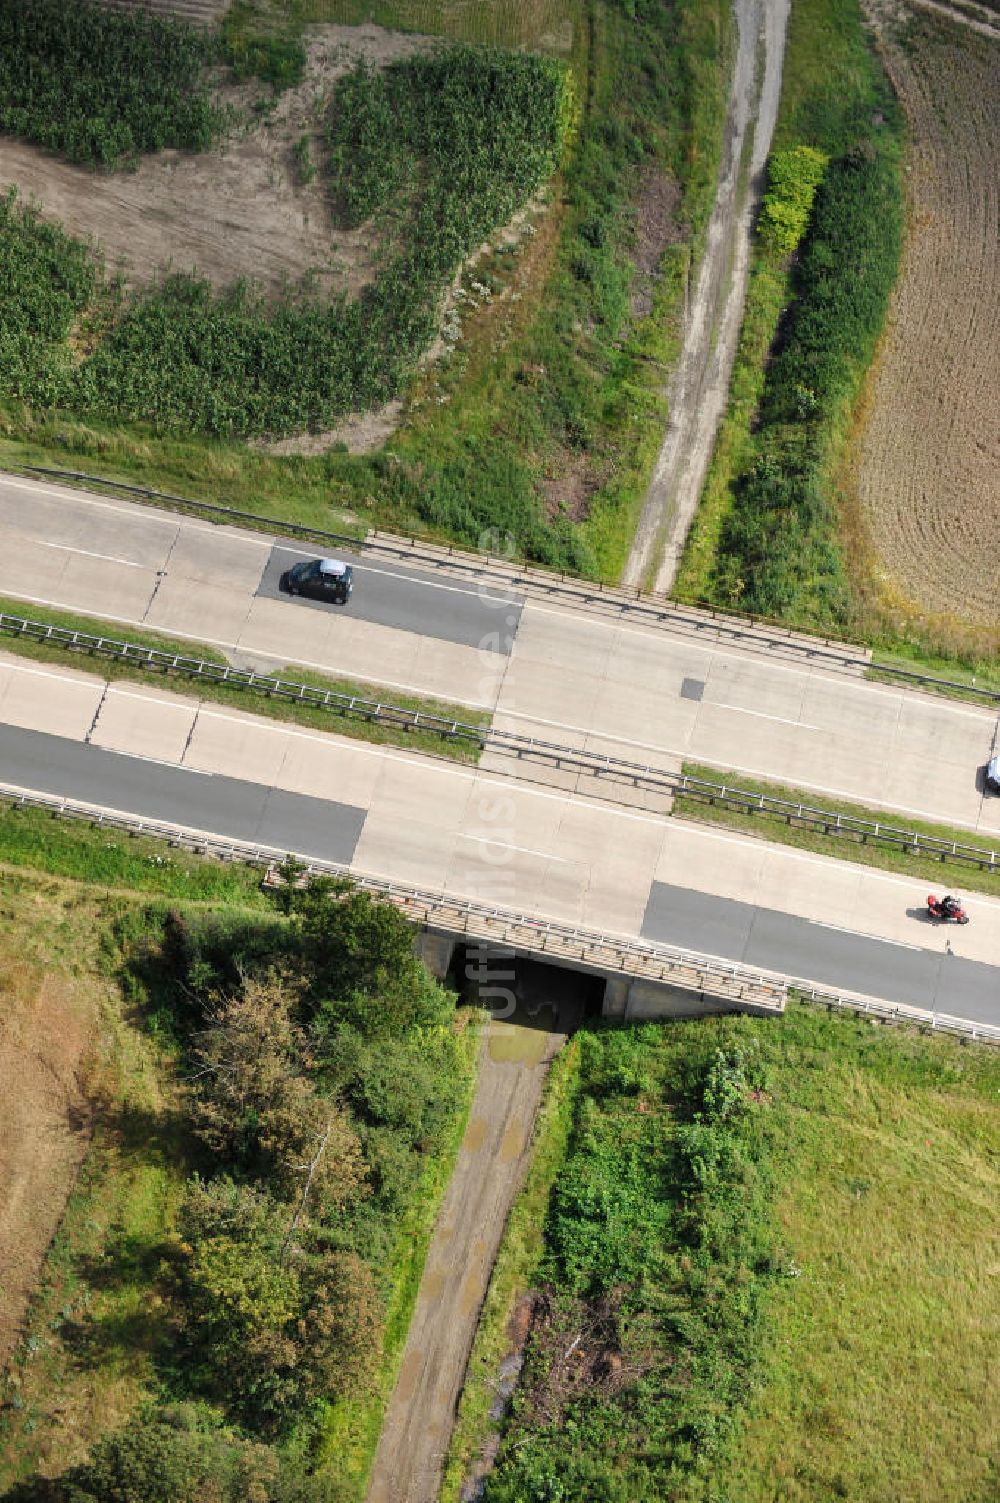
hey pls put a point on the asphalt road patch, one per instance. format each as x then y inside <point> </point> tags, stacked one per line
<point>387,594</point>
<point>822,953</point>
<point>210,803</point>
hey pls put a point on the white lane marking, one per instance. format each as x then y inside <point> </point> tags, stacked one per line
<point>139,513</point>
<point>767,775</point>
<point>868,873</point>
<point>81,679</point>
<point>901,944</point>
<point>481,704</point>
<point>277,657</point>
<point>341,744</point>
<point>711,650</point>
<point>506,846</point>
<point>201,772</point>
<point>60,605</point>
<point>761,715</point>
<point>108,558</point>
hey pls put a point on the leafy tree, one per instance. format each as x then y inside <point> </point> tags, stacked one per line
<point>180,1453</point>
<point>793,177</point>
<point>360,963</point>
<point>254,1107</point>
<point>272,1321</point>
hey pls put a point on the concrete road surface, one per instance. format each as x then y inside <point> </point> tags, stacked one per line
<point>477,834</point>
<point>563,673</point>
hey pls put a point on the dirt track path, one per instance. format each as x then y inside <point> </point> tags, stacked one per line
<point>488,1174</point>
<point>700,385</point>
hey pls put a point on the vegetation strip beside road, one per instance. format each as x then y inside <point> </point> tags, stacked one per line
<point>867,847</point>
<point>207,1319</point>
<point>700,1295</point>
<point>768,531</point>
<point>360,720</point>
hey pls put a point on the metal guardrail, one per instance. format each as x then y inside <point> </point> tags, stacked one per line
<point>649,959</point>
<point>618,770</point>
<point>894,1012</point>
<point>204,670</point>
<point>636,957</point>
<point>650,605</point>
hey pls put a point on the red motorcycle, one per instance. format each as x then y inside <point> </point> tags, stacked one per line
<point>948,909</point>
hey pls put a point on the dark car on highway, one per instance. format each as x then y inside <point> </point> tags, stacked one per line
<point>993,775</point>
<point>320,579</point>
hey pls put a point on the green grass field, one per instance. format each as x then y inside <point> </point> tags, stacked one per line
<point>812,1318</point>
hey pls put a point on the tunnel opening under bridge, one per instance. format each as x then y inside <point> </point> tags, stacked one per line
<point>512,986</point>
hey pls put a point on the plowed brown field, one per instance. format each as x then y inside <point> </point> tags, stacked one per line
<point>929,454</point>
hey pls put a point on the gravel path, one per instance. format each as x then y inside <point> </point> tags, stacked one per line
<point>491,1165</point>
<point>698,391</point>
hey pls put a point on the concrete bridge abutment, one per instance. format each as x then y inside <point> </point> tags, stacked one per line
<point>625,998</point>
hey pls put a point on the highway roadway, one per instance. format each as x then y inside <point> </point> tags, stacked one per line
<point>646,692</point>
<point>475,834</point>
<point>936,978</point>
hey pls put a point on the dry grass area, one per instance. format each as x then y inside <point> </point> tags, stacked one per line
<point>48,1022</point>
<point>928,456</point>
<point>237,212</point>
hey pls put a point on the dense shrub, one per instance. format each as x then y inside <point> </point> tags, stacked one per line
<point>658,1249</point>
<point>322,1076</point>
<point>779,553</point>
<point>102,85</point>
<point>271,1321</point>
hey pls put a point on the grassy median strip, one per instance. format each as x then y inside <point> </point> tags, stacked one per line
<point>871,850</point>
<point>255,701</point>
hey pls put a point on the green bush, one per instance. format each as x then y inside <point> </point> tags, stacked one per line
<point>272,1322</point>
<point>323,1078</point>
<point>793,177</point>
<point>658,1250</point>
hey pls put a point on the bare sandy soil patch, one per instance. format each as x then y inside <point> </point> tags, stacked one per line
<point>237,212</point>
<point>929,453</point>
<point>47,1024</point>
